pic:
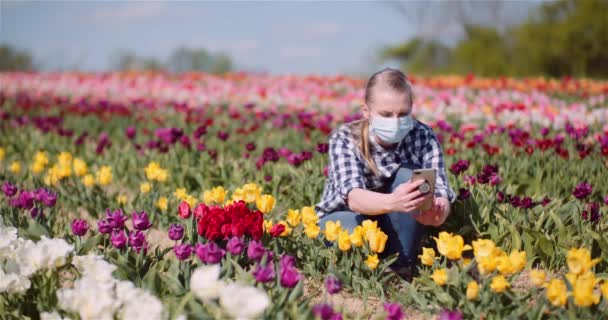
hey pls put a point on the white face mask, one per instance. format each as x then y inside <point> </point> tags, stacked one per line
<point>391,130</point>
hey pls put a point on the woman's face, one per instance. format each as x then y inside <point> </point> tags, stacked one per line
<point>388,104</point>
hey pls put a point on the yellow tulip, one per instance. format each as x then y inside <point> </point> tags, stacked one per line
<point>180,193</point>
<point>155,172</point>
<point>377,240</point>
<point>293,217</point>
<point>2,153</point>
<point>356,238</point>
<point>238,194</point>
<point>312,231</point>
<point>604,289</point>
<point>37,167</point>
<point>499,284</point>
<point>483,248</point>
<point>557,292</point>
<point>104,175</point>
<point>268,225</point>
<point>64,158</point>
<point>145,187</point>
<point>579,260</point>
<point>372,261</point>
<point>518,260</point>
<point>344,243</point>
<point>537,278</point>
<point>215,195</point>
<point>332,230</point>
<point>191,200</point>
<point>251,192</point>
<point>265,203</point>
<point>42,158</point>
<point>466,262</point>
<point>121,199</point>
<point>486,265</point>
<point>80,167</point>
<point>15,167</point>
<point>440,276</point>
<point>472,290</point>
<point>162,203</point>
<point>504,265</point>
<point>427,257</point>
<point>88,180</point>
<point>451,246</point>
<point>369,225</point>
<point>309,216</point>
<point>582,291</point>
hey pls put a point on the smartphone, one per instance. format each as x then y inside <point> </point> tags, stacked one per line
<point>428,175</point>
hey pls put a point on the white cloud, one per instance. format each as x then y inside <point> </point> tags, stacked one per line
<point>130,11</point>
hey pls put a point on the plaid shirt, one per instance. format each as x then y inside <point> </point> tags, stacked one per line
<point>348,170</point>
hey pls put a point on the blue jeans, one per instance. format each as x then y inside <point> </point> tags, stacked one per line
<point>404,232</point>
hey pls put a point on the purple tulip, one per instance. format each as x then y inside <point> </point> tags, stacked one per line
<point>336,316</point>
<point>25,199</point>
<point>515,201</point>
<point>34,212</point>
<point>235,246</point>
<point>333,285</point>
<point>140,220</point>
<point>450,315</point>
<point>268,178</point>
<point>176,231</point>
<point>104,226</point>
<point>591,212</point>
<point>130,133</point>
<point>270,154</point>
<point>250,146</point>
<point>323,311</point>
<point>500,196</point>
<point>116,218</point>
<point>322,148</point>
<point>289,274</point>
<point>137,241</point>
<point>463,194</point>
<point>201,146</point>
<point>10,189</point>
<point>185,141</point>
<point>284,152</point>
<point>255,250</point>
<point>294,160</point>
<point>264,273</point>
<point>545,201</point>
<point>48,198</point>
<point>182,251</point>
<point>495,180</point>
<point>210,253</point>
<point>199,132</point>
<point>582,190</point>
<point>223,135</point>
<point>79,227</point>
<point>305,155</point>
<point>80,139</point>
<point>102,143</point>
<point>168,135</point>
<point>118,239</point>
<point>459,167</point>
<point>393,311</point>
<point>526,203</point>
<point>606,200</point>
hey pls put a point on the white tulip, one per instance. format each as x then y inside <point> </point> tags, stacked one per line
<point>243,302</point>
<point>205,282</point>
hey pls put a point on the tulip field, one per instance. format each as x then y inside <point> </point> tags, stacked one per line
<point>162,196</point>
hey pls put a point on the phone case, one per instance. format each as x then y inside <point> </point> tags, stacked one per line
<point>428,175</point>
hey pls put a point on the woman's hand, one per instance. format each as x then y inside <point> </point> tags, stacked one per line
<point>437,215</point>
<point>406,197</point>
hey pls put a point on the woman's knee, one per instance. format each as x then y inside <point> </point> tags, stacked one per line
<point>348,220</point>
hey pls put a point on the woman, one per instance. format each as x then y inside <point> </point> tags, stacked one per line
<point>370,165</point>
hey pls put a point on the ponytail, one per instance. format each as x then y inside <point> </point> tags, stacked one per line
<point>364,146</point>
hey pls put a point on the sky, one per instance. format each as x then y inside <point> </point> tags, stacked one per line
<point>276,37</point>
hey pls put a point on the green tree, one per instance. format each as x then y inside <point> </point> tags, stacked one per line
<point>15,60</point>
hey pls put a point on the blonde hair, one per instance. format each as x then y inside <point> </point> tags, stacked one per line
<point>387,78</point>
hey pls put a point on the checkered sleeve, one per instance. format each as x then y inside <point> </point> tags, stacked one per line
<point>345,168</point>
<point>433,158</point>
